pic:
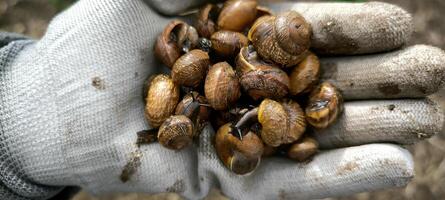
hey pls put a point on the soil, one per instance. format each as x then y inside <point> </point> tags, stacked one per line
<point>32,17</point>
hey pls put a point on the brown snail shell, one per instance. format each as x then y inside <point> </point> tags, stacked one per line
<point>221,88</point>
<point>177,37</point>
<point>262,11</point>
<point>206,21</point>
<point>192,107</point>
<point>284,39</point>
<point>282,123</point>
<point>227,44</point>
<point>176,132</point>
<point>240,156</point>
<point>190,69</point>
<point>304,76</point>
<point>162,98</point>
<point>237,15</point>
<point>259,79</point>
<point>324,106</point>
<point>303,149</point>
<point>269,150</point>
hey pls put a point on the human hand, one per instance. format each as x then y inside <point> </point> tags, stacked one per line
<point>73,107</point>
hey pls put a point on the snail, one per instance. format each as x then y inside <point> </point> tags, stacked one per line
<point>303,149</point>
<point>221,87</point>
<point>260,79</point>
<point>281,122</point>
<point>227,44</point>
<point>190,69</point>
<point>177,38</point>
<point>206,20</point>
<point>324,106</point>
<point>194,106</point>
<point>283,39</point>
<point>304,76</point>
<point>237,15</point>
<point>262,11</point>
<point>176,132</point>
<point>269,150</point>
<point>162,98</point>
<point>239,155</point>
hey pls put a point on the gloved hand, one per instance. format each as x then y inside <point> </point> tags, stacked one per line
<point>71,106</point>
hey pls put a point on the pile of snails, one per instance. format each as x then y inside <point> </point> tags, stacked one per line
<point>248,73</point>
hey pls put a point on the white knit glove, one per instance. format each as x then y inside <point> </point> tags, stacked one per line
<point>71,105</point>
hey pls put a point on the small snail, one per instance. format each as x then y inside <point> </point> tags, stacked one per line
<point>177,37</point>
<point>221,88</point>
<point>284,39</point>
<point>236,15</point>
<point>304,76</point>
<point>259,79</point>
<point>240,156</point>
<point>281,122</point>
<point>227,44</point>
<point>162,97</point>
<point>190,69</point>
<point>193,106</point>
<point>324,106</point>
<point>206,21</point>
<point>303,149</point>
<point>176,132</point>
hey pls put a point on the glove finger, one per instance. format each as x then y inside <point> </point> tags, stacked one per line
<point>331,173</point>
<point>395,121</point>
<point>173,7</point>
<point>416,71</point>
<point>353,28</point>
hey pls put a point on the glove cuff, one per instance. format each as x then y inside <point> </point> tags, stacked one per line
<point>14,182</point>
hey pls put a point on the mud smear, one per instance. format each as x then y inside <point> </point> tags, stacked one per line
<point>146,137</point>
<point>132,166</point>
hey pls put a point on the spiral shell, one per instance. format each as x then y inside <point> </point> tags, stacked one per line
<point>162,98</point>
<point>240,156</point>
<point>324,106</point>
<point>191,68</point>
<point>284,39</point>
<point>282,123</point>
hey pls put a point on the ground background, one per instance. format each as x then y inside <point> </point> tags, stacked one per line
<point>31,17</point>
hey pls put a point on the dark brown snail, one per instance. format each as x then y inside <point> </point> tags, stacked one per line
<point>194,106</point>
<point>237,15</point>
<point>177,38</point>
<point>190,69</point>
<point>176,132</point>
<point>282,123</point>
<point>259,79</point>
<point>240,156</point>
<point>303,149</point>
<point>206,22</point>
<point>227,44</point>
<point>222,88</point>
<point>162,97</point>
<point>304,76</point>
<point>324,106</point>
<point>284,39</point>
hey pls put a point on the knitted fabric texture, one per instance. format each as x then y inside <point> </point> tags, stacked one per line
<point>14,184</point>
<point>71,105</point>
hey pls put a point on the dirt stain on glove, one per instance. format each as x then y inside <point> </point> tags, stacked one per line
<point>132,165</point>
<point>347,168</point>
<point>98,83</point>
<point>389,89</point>
<point>177,187</point>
